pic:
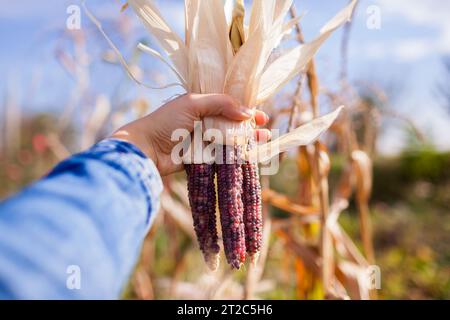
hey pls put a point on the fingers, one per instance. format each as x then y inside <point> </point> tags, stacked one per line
<point>208,105</point>
<point>261,118</point>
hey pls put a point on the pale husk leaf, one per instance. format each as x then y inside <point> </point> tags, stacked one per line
<point>191,25</point>
<point>293,62</point>
<point>363,168</point>
<point>281,8</point>
<point>354,280</point>
<point>167,38</point>
<point>156,54</point>
<point>215,54</point>
<point>242,68</point>
<point>190,12</point>
<point>261,16</point>
<point>301,136</point>
<point>212,46</point>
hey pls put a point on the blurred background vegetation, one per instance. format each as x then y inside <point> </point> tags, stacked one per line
<point>409,205</point>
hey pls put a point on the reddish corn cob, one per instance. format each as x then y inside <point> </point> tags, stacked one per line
<point>251,197</point>
<point>202,198</point>
<point>229,184</point>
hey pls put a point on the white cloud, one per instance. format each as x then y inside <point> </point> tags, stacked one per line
<point>402,51</point>
<point>375,51</point>
<point>412,49</point>
<point>431,13</point>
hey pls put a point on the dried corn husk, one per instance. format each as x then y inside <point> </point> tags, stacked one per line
<point>290,64</point>
<point>301,136</point>
<point>204,62</point>
<point>237,29</point>
<point>170,42</point>
<point>363,169</point>
<point>234,133</point>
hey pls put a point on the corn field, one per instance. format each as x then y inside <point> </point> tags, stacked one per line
<point>312,231</point>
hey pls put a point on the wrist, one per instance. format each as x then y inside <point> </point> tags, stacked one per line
<point>143,144</point>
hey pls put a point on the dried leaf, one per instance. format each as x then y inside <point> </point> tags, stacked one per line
<point>281,8</point>
<point>301,136</point>
<point>363,168</point>
<point>179,213</point>
<point>124,7</point>
<point>242,69</point>
<point>167,38</point>
<point>345,246</point>
<point>345,185</point>
<point>261,16</point>
<point>309,256</point>
<point>156,54</point>
<point>353,277</point>
<point>212,46</point>
<point>282,202</point>
<point>191,12</point>
<point>290,64</point>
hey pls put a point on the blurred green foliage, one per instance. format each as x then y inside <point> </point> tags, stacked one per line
<point>425,164</point>
<point>410,211</point>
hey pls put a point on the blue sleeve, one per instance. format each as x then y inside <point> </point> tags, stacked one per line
<point>77,233</point>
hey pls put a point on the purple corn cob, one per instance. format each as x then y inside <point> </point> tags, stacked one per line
<point>251,197</point>
<point>229,183</point>
<point>202,198</point>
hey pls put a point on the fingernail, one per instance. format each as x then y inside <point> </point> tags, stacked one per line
<point>247,111</point>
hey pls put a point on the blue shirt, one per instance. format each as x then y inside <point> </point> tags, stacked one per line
<point>77,233</point>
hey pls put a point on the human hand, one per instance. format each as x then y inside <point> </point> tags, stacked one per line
<point>152,134</point>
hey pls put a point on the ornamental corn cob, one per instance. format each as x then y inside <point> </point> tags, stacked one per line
<point>203,64</point>
<point>229,182</point>
<point>229,187</point>
<point>251,198</point>
<point>202,199</point>
<point>241,182</point>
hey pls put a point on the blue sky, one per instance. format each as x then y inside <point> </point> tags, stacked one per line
<point>406,54</point>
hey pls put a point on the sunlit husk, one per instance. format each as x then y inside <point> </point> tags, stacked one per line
<point>205,64</point>
<point>301,136</point>
<point>170,42</point>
